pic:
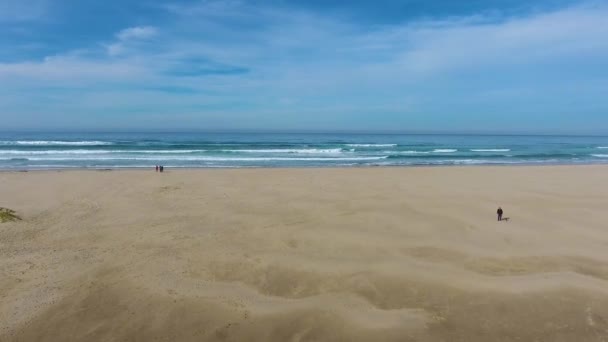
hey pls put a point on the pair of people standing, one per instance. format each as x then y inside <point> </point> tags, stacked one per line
<point>160,168</point>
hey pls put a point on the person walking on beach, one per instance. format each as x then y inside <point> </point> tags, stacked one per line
<point>156,168</point>
<point>499,213</point>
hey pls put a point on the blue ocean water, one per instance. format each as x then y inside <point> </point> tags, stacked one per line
<point>20,151</point>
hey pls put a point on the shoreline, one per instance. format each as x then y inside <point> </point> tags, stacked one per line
<point>329,167</point>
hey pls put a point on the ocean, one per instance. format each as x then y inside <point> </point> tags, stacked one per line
<point>29,151</point>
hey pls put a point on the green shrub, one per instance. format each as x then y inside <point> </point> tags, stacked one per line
<point>7,215</point>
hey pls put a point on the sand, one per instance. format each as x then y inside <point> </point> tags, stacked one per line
<point>374,254</point>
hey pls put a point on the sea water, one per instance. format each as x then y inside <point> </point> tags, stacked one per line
<point>23,151</point>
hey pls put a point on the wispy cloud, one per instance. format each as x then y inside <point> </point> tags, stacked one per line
<point>137,32</point>
<point>560,35</point>
<point>291,65</point>
<point>130,36</point>
<point>196,66</point>
<point>65,70</point>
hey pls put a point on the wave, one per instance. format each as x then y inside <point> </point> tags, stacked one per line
<point>405,152</point>
<point>488,156</point>
<point>371,145</point>
<point>304,151</point>
<point>21,152</point>
<point>602,147</point>
<point>136,166</point>
<point>158,151</point>
<point>600,155</point>
<point>445,150</point>
<point>491,150</point>
<point>447,162</point>
<point>54,142</point>
<point>200,159</point>
<point>286,151</point>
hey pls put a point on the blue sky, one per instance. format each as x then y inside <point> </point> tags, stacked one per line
<point>412,65</point>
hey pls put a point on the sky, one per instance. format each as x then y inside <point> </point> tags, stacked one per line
<point>507,66</point>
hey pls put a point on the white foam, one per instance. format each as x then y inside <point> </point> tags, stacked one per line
<point>600,155</point>
<point>21,152</point>
<point>465,161</point>
<point>371,145</point>
<point>446,150</point>
<point>482,162</point>
<point>177,158</point>
<point>491,150</point>
<point>602,147</point>
<point>55,142</point>
<point>303,151</point>
<point>159,151</point>
<point>407,152</point>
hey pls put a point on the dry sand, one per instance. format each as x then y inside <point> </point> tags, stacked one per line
<point>384,254</point>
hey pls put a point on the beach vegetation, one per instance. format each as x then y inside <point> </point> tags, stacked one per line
<point>8,215</point>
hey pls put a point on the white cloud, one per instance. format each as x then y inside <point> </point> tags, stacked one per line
<point>304,48</point>
<point>285,42</point>
<point>326,65</point>
<point>130,36</point>
<point>137,32</point>
<point>67,70</point>
<point>115,49</point>
<point>573,32</point>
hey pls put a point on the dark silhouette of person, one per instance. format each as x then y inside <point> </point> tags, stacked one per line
<point>162,168</point>
<point>156,168</point>
<point>499,213</point>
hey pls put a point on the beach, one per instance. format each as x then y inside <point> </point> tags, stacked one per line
<point>306,254</point>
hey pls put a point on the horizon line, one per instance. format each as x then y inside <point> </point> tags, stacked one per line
<point>303,131</point>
